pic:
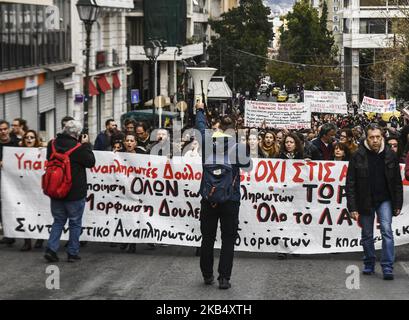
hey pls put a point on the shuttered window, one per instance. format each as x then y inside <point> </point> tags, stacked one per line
<point>12,105</point>
<point>46,96</point>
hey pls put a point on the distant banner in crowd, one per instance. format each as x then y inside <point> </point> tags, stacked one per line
<point>287,205</point>
<point>277,115</point>
<point>378,106</point>
<point>326,101</point>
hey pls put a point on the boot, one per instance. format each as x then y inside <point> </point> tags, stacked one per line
<point>38,244</point>
<point>26,246</point>
<point>132,248</point>
<point>123,246</point>
<point>8,241</point>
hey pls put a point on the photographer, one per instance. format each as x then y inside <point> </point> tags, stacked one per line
<point>72,206</point>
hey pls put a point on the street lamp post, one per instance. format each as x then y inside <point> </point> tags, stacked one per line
<point>153,48</point>
<point>88,12</point>
<point>178,51</point>
<point>234,78</point>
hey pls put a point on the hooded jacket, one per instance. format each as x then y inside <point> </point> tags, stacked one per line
<point>358,183</point>
<point>80,159</point>
<point>236,153</point>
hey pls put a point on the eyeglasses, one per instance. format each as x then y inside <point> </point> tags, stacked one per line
<point>29,137</point>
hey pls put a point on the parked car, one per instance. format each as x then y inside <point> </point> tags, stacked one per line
<point>276,91</point>
<point>385,116</point>
<point>282,96</point>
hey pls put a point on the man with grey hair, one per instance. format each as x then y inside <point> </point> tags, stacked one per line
<point>72,206</point>
<point>324,141</point>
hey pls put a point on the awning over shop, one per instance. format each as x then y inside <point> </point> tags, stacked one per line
<point>116,83</point>
<point>103,83</point>
<point>219,89</point>
<point>92,89</point>
<point>67,83</point>
<point>60,67</point>
<point>127,4</point>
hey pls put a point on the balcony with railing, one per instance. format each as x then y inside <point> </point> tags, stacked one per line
<point>23,50</point>
<point>27,40</point>
<point>138,5</point>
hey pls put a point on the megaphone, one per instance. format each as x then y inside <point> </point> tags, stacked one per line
<point>199,75</point>
<point>129,71</point>
<point>181,106</point>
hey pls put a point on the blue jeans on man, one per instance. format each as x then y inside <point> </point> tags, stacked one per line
<point>384,213</point>
<point>63,211</point>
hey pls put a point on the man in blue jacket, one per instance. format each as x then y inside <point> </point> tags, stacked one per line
<point>227,211</point>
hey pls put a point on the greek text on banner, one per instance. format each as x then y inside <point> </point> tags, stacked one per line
<point>287,205</point>
<point>277,115</point>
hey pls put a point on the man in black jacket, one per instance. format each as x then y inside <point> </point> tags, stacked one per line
<point>72,206</point>
<point>5,141</point>
<point>374,184</point>
<point>324,141</point>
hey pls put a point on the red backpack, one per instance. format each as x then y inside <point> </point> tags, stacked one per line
<point>56,181</point>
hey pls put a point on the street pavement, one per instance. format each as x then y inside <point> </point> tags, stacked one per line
<point>172,273</point>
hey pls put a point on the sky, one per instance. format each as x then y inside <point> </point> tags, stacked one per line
<point>279,6</point>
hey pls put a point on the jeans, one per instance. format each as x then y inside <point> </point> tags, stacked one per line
<point>61,211</point>
<point>384,213</point>
<point>228,213</point>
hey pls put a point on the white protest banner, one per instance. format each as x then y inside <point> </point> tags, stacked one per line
<point>287,205</point>
<point>378,106</point>
<point>277,115</point>
<point>326,101</point>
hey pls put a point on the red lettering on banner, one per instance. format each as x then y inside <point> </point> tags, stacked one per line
<point>260,177</point>
<point>297,166</point>
<point>311,164</point>
<point>328,167</point>
<point>19,159</point>
<point>344,172</point>
<point>168,174</point>
<point>273,169</point>
<point>283,171</point>
<point>320,171</point>
<point>264,168</point>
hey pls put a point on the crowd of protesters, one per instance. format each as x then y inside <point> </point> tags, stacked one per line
<point>331,137</point>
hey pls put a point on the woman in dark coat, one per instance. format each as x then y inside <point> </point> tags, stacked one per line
<point>291,147</point>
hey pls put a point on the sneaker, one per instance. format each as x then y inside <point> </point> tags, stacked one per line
<point>8,241</point>
<point>123,246</point>
<point>151,246</point>
<point>73,258</point>
<point>26,246</point>
<point>51,256</point>
<point>208,280</point>
<point>197,253</point>
<point>224,283</point>
<point>38,244</point>
<point>387,275</point>
<point>368,270</point>
<point>132,248</point>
